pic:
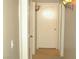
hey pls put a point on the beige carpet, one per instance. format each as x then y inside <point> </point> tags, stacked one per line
<point>46,53</point>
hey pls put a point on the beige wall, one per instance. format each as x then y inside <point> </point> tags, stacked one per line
<point>11,30</point>
<point>70,40</point>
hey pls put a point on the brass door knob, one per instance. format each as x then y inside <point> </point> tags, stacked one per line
<point>31,36</point>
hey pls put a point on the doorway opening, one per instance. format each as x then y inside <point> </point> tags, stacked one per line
<point>46,30</point>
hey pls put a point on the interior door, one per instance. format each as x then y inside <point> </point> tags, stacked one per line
<point>47,18</point>
<point>32,28</point>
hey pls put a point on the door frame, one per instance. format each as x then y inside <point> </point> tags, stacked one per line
<point>24,7</point>
<point>61,29</point>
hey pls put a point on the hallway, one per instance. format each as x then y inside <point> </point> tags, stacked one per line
<point>46,53</point>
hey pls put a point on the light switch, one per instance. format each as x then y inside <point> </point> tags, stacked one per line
<point>11,43</point>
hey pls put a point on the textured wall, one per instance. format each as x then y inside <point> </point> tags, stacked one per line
<point>11,30</point>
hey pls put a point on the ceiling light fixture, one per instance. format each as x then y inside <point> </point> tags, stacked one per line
<point>68,4</point>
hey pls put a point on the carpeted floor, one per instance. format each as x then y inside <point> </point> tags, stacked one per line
<point>46,53</point>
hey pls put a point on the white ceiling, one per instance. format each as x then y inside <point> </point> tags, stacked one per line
<point>48,1</point>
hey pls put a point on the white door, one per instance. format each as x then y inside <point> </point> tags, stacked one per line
<point>47,18</point>
<point>32,28</point>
